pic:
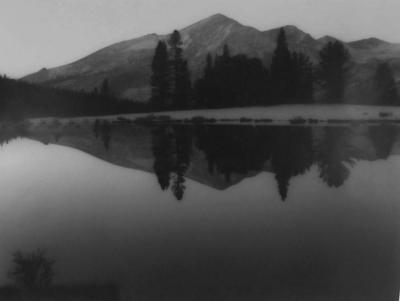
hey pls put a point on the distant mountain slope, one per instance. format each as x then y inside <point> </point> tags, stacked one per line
<point>127,64</point>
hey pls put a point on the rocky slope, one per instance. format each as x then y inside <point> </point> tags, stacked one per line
<point>127,64</point>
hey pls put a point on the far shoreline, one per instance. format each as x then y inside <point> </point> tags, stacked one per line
<point>274,115</point>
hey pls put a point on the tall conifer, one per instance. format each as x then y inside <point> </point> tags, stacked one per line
<point>160,77</point>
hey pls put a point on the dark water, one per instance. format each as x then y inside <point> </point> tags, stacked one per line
<point>175,212</point>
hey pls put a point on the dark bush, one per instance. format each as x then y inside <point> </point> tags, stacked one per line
<point>32,270</point>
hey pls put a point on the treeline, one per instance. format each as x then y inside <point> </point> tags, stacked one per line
<point>23,100</point>
<point>237,80</point>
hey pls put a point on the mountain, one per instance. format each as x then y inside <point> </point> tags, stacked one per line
<point>127,64</point>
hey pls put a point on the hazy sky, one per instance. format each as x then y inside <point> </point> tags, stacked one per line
<point>47,33</point>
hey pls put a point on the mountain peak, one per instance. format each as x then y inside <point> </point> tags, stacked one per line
<point>326,39</point>
<point>291,28</point>
<point>219,17</point>
<point>294,34</point>
<point>214,20</point>
<point>367,43</point>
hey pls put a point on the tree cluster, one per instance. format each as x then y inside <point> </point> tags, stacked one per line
<point>242,81</point>
<point>332,71</point>
<point>384,86</point>
<point>170,81</point>
<point>233,152</point>
<point>291,74</point>
<point>232,81</point>
<point>236,80</point>
<point>23,100</point>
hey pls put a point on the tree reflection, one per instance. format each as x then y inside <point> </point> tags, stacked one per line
<point>292,155</point>
<point>183,149</point>
<point>163,155</point>
<point>10,132</point>
<point>334,155</point>
<point>236,152</point>
<point>172,147</point>
<point>234,149</point>
<point>102,130</point>
<point>383,138</point>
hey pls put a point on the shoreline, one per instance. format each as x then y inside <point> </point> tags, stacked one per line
<point>276,115</point>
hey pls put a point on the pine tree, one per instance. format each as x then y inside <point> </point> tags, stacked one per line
<point>226,53</point>
<point>303,79</point>
<point>384,86</point>
<point>160,77</point>
<point>225,78</point>
<point>105,88</point>
<point>184,87</point>
<point>332,71</point>
<point>281,69</point>
<point>204,87</point>
<point>180,77</point>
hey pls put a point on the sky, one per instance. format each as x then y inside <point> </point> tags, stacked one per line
<point>47,33</point>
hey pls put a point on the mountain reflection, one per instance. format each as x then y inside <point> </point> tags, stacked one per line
<point>285,151</point>
<point>223,155</point>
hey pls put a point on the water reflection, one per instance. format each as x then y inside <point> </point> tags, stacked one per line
<point>102,130</point>
<point>222,156</point>
<point>172,147</point>
<point>230,238</point>
<point>383,138</point>
<point>334,155</point>
<point>287,152</point>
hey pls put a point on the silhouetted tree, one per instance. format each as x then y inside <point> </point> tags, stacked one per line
<point>332,71</point>
<point>160,77</point>
<point>281,70</point>
<point>205,86</point>
<point>180,78</point>
<point>32,270</point>
<point>291,74</point>
<point>384,86</point>
<point>226,53</point>
<point>302,78</point>
<point>105,88</point>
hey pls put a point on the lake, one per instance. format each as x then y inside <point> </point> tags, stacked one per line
<point>207,212</point>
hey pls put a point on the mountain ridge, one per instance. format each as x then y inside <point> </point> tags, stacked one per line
<point>127,64</point>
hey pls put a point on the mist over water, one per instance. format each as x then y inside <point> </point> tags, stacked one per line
<point>209,213</point>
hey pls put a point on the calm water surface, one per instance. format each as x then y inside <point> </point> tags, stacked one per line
<point>175,212</point>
